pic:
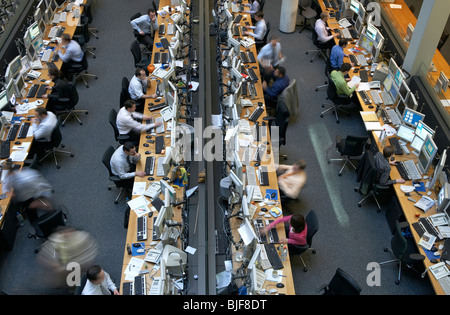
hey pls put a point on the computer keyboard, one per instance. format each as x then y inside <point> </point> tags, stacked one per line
<point>41,91</point>
<point>354,34</point>
<point>244,57</point>
<point>140,285</point>
<point>353,59</point>
<point>393,116</point>
<point>12,133</point>
<point>375,97</point>
<point>142,228</point>
<point>164,58</point>
<point>408,170</point>
<point>263,176</point>
<point>363,75</point>
<point>46,55</point>
<point>162,29</point>
<point>273,256</point>
<point>445,284</point>
<point>251,175</point>
<point>346,34</point>
<point>398,148</point>
<point>156,287</point>
<point>149,165</point>
<point>237,18</point>
<point>32,91</point>
<point>272,233</point>
<point>221,241</point>
<point>258,224</point>
<point>236,31</point>
<point>365,97</point>
<point>256,114</point>
<point>385,117</point>
<point>362,60</point>
<point>165,43</point>
<point>170,29</point>
<point>386,97</point>
<point>5,149</point>
<point>252,75</point>
<point>160,170</point>
<point>251,56</point>
<point>23,131</point>
<point>160,128</point>
<point>157,57</point>
<point>62,17</point>
<point>159,145</point>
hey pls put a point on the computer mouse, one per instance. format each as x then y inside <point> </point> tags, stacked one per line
<point>166,178</point>
<point>392,158</point>
<point>433,249</point>
<point>280,285</point>
<point>150,214</point>
<point>17,142</point>
<point>148,152</point>
<point>158,81</point>
<point>370,106</point>
<point>157,101</point>
<point>264,209</point>
<point>256,164</point>
<point>436,253</point>
<point>140,250</point>
<point>151,179</point>
<point>408,194</point>
<point>145,144</point>
<point>273,195</point>
<point>136,244</point>
<point>148,137</point>
<point>433,261</point>
<point>254,67</point>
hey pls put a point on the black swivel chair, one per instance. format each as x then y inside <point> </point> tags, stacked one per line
<point>46,224</point>
<point>83,36</point>
<point>112,120</point>
<point>67,105</point>
<point>79,288</point>
<point>88,13</point>
<point>327,74</point>
<point>124,94</point>
<point>349,147</point>
<point>261,43</point>
<point>281,120</point>
<point>137,56</point>
<point>312,225</point>
<point>337,101</point>
<point>306,11</point>
<point>80,71</point>
<point>341,284</point>
<point>52,145</point>
<point>320,48</point>
<point>106,159</point>
<point>404,251</point>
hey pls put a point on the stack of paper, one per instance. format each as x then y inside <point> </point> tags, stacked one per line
<point>371,121</point>
<point>139,205</point>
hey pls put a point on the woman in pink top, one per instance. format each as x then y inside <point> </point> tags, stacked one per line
<point>297,231</point>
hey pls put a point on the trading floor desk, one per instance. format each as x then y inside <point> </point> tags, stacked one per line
<point>250,102</point>
<point>7,219</point>
<point>407,206</point>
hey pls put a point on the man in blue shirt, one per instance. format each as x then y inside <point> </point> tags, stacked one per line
<point>145,26</point>
<point>280,82</point>
<point>73,53</point>
<point>337,54</point>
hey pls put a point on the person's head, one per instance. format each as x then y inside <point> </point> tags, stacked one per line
<point>259,16</point>
<point>345,68</point>
<point>274,40</point>
<point>54,73</point>
<point>324,16</point>
<point>129,148</point>
<point>41,113</point>
<point>130,105</point>
<point>299,165</point>
<point>388,151</point>
<point>343,42</point>
<point>65,39</point>
<point>140,74</point>
<point>95,274</point>
<point>280,72</point>
<point>297,222</point>
<point>151,13</point>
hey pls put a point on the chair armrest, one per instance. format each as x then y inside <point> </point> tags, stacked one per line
<point>417,257</point>
<point>269,118</point>
<point>115,178</point>
<point>382,187</point>
<point>123,137</point>
<point>63,99</point>
<point>403,225</point>
<point>322,288</point>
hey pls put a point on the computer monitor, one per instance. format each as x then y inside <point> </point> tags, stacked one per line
<point>244,207</point>
<point>167,189</point>
<point>170,94</point>
<point>38,14</point>
<point>19,85</point>
<point>393,88</point>
<point>238,185</point>
<point>444,80</point>
<point>48,14</point>
<point>361,12</point>
<point>400,108</point>
<point>238,98</point>
<point>354,6</point>
<point>34,30</point>
<point>10,90</point>
<point>358,25</point>
<point>437,170</point>
<point>232,42</point>
<point>14,68</point>
<point>411,101</point>
<point>160,222</point>
<point>421,133</point>
<point>3,99</point>
<point>53,5</point>
<point>254,272</point>
<point>412,117</point>
<point>399,77</point>
<point>174,260</point>
<point>409,32</point>
<point>237,164</point>
<point>366,42</point>
<point>393,67</point>
<point>406,133</point>
<point>236,75</point>
<point>426,155</point>
<point>37,43</point>
<point>403,91</point>
<point>371,31</point>
<point>168,75</point>
<point>30,51</point>
<point>443,203</point>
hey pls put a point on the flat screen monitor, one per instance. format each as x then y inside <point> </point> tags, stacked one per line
<point>53,5</point>
<point>232,42</point>
<point>411,101</point>
<point>399,77</point>
<point>26,65</point>
<point>444,199</point>
<point>38,14</point>
<point>361,12</point>
<point>400,109</point>
<point>393,67</point>
<point>412,117</point>
<point>422,130</point>
<point>406,133</point>
<point>48,15</point>
<point>417,144</point>
<point>371,31</point>
<point>3,99</point>
<point>19,85</point>
<point>41,24</point>
<point>393,89</point>
<point>404,91</point>
<point>31,52</point>
<point>366,43</point>
<point>358,25</point>
<point>354,6</point>
<point>437,171</point>
<point>236,75</point>
<point>10,89</point>
<point>237,183</point>
<point>26,39</point>
<point>14,68</point>
<point>34,30</point>
<point>426,155</point>
<point>444,81</point>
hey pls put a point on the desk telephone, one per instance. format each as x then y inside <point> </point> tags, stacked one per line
<point>425,203</point>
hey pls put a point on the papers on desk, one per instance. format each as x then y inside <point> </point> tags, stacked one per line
<point>427,240</point>
<point>355,80</point>
<point>139,205</point>
<point>247,42</point>
<point>395,6</point>
<point>390,131</point>
<point>344,23</point>
<point>133,268</point>
<point>363,86</point>
<point>370,120</point>
<point>18,155</point>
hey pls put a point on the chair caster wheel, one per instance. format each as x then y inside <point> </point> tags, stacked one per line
<point>305,269</point>
<point>385,250</point>
<point>116,202</point>
<point>36,251</point>
<point>58,167</point>
<point>321,116</point>
<point>306,52</point>
<point>337,121</point>
<point>397,282</point>
<point>378,211</point>
<point>72,155</point>
<point>329,162</point>
<point>356,189</point>
<point>359,205</point>
<point>109,188</point>
<point>96,78</point>
<point>314,251</point>
<point>317,90</point>
<point>340,174</point>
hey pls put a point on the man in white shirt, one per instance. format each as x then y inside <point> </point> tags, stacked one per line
<point>99,283</point>
<point>43,125</point>
<point>123,163</point>
<point>260,28</point>
<point>128,125</point>
<point>322,29</point>
<point>138,89</point>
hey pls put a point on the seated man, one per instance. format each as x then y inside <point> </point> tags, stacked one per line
<point>123,164</point>
<point>322,31</point>
<point>384,166</point>
<point>127,124</point>
<point>99,282</point>
<point>291,179</point>
<point>337,54</point>
<point>259,29</point>
<point>43,125</point>
<point>271,93</point>
<point>73,53</point>
<point>340,80</point>
<point>61,89</point>
<point>138,89</point>
<point>146,25</point>
<point>269,57</point>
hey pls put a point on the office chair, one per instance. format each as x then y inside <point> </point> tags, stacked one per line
<point>106,159</point>
<point>367,176</point>
<point>124,94</point>
<point>349,147</point>
<point>112,120</point>
<point>137,55</point>
<point>80,71</point>
<point>281,120</point>
<point>46,224</point>
<point>261,5</point>
<point>82,36</point>
<point>321,49</point>
<point>337,101</point>
<point>67,105</point>
<point>404,251</point>
<point>307,12</point>
<point>261,43</point>
<point>88,12</point>
<point>341,284</point>
<point>135,16</point>
<point>327,73</point>
<point>312,225</point>
<point>53,144</point>
<point>79,288</point>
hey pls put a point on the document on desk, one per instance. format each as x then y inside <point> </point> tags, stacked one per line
<point>18,155</point>
<point>372,125</point>
<point>246,232</point>
<point>363,86</point>
<point>368,116</point>
<point>354,81</point>
<point>138,188</point>
<point>133,268</point>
